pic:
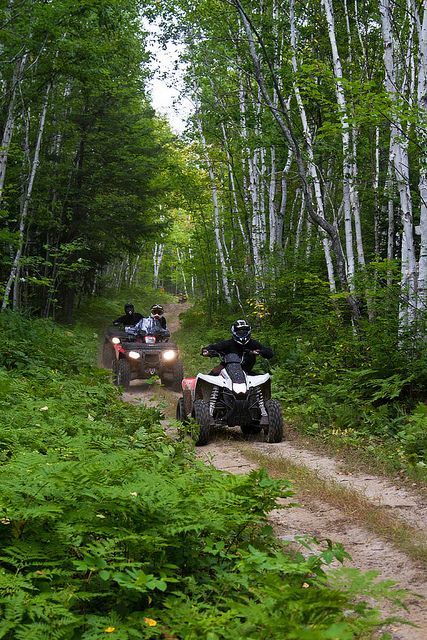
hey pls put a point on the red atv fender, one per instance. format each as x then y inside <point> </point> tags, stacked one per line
<point>188,387</point>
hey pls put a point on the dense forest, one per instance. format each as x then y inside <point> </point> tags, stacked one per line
<point>295,198</point>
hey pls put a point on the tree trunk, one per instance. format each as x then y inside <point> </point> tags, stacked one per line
<point>282,118</point>
<point>157,261</point>
<point>220,250</point>
<point>422,134</point>
<point>26,203</point>
<point>399,155</point>
<point>10,120</point>
<point>310,154</point>
<point>348,199</point>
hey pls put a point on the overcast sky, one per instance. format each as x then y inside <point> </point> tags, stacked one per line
<point>168,80</point>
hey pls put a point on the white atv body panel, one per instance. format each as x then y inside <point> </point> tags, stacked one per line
<point>223,380</point>
<point>256,381</point>
<point>219,381</point>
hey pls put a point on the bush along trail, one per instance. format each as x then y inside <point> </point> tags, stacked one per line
<point>108,528</point>
<point>381,521</point>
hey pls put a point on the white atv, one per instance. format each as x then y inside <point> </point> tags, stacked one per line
<point>232,398</point>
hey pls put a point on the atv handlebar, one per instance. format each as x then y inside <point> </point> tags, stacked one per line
<point>207,353</point>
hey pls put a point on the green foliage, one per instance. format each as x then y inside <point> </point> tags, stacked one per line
<point>109,527</point>
<point>361,390</point>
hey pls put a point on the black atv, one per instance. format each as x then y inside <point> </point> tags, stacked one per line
<point>142,356</point>
<point>229,399</point>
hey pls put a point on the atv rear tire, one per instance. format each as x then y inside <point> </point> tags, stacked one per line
<point>122,374</point>
<point>180,411</point>
<point>107,355</point>
<point>202,417</point>
<point>275,421</point>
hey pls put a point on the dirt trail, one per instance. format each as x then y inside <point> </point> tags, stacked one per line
<point>314,517</point>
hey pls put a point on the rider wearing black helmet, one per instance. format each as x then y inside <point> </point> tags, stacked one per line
<point>130,317</point>
<point>241,343</point>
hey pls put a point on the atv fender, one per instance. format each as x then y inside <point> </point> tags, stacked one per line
<point>257,381</point>
<point>204,384</point>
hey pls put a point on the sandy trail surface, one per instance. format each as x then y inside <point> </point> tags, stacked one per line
<point>313,517</point>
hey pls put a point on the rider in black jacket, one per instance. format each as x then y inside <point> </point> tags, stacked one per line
<point>240,343</point>
<point>130,318</point>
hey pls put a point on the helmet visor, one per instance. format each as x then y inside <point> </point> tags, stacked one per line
<point>157,311</point>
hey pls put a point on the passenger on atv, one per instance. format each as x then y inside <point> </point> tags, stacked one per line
<point>130,317</point>
<point>240,343</point>
<point>157,312</point>
<point>153,325</point>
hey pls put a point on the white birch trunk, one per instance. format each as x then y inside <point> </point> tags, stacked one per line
<point>390,217</point>
<point>399,154</point>
<point>376,185</point>
<point>312,169</point>
<point>24,211</point>
<point>181,265</point>
<point>255,230</point>
<point>223,266</point>
<point>272,215</point>
<point>283,201</point>
<point>10,120</point>
<point>299,230</point>
<point>355,205</point>
<point>345,134</point>
<point>422,135</point>
<point>158,252</point>
<point>235,206</point>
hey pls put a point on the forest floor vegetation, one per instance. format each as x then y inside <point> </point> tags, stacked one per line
<point>378,521</point>
<point>108,526</point>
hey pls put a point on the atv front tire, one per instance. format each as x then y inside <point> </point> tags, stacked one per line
<point>202,417</point>
<point>178,375</point>
<point>275,421</point>
<point>122,374</point>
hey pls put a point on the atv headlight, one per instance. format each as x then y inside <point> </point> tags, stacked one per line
<point>115,340</point>
<point>134,355</point>
<point>169,355</point>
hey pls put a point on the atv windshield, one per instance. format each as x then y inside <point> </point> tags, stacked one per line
<point>233,365</point>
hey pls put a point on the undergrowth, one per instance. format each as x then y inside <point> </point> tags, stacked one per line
<point>333,386</point>
<point>110,529</point>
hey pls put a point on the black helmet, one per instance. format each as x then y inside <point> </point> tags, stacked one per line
<point>241,332</point>
<point>157,310</point>
<point>129,308</point>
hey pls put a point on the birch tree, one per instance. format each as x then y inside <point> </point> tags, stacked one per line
<point>217,232</point>
<point>26,201</point>
<point>400,159</point>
